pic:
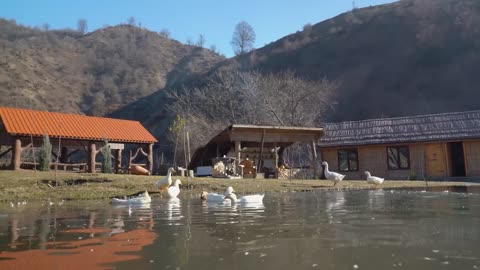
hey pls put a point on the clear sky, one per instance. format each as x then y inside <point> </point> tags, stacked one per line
<point>216,19</point>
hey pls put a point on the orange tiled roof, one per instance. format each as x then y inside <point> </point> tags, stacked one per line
<point>74,126</point>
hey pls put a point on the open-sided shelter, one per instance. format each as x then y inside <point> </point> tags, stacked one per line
<point>256,142</point>
<point>22,129</point>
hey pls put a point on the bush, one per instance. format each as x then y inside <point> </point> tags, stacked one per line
<point>45,154</point>
<point>107,158</point>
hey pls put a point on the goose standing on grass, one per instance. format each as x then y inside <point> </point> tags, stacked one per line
<point>332,176</point>
<point>230,194</point>
<point>174,190</point>
<point>373,179</point>
<point>165,182</point>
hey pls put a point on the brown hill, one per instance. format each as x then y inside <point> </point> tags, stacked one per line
<point>97,73</point>
<point>408,57</point>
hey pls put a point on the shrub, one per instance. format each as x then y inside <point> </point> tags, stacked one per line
<point>45,154</point>
<point>107,158</point>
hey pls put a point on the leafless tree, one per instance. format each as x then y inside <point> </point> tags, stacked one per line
<point>82,26</point>
<point>189,42</point>
<point>213,48</point>
<point>131,21</point>
<point>243,38</point>
<point>201,40</point>
<point>165,33</point>
<point>45,27</point>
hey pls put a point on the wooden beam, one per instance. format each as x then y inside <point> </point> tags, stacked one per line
<point>92,156</point>
<point>118,160</point>
<point>6,152</point>
<point>150,158</point>
<point>17,154</point>
<point>314,159</point>
<point>260,158</point>
<point>238,154</point>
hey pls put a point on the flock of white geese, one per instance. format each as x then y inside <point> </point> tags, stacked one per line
<point>173,190</point>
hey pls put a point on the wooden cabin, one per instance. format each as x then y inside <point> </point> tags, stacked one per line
<point>258,149</point>
<point>435,146</point>
<point>22,130</point>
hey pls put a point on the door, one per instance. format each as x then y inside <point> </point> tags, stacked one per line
<point>457,159</point>
<point>435,160</point>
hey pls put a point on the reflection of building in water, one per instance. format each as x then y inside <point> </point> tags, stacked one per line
<point>93,242</point>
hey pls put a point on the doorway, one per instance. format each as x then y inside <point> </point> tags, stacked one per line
<point>457,159</point>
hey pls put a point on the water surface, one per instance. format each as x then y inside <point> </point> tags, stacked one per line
<point>382,229</point>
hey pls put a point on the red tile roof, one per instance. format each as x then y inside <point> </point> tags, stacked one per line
<point>80,127</point>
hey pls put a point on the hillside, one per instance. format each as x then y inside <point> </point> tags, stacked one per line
<point>95,74</point>
<point>409,57</point>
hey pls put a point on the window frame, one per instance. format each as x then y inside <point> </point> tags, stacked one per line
<point>355,150</point>
<point>397,148</point>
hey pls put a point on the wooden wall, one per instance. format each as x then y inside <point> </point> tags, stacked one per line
<point>472,158</point>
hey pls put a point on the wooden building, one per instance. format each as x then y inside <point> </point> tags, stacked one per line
<point>435,146</point>
<point>22,130</point>
<point>261,144</point>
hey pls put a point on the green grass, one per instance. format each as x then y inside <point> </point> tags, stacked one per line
<point>30,185</point>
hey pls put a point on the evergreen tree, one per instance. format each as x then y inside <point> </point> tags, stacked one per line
<point>45,155</point>
<point>107,159</point>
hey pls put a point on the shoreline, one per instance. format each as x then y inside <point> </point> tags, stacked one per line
<point>37,186</point>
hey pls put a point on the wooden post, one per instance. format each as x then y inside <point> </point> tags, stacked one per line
<point>260,158</point>
<point>92,151</point>
<point>314,159</point>
<point>118,160</point>
<point>275,153</point>
<point>17,154</point>
<point>150,158</point>
<point>238,154</point>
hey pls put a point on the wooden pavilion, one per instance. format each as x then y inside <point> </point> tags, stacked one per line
<point>23,129</point>
<point>434,146</point>
<point>256,143</point>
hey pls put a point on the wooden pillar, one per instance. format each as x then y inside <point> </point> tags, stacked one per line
<point>275,166</point>
<point>238,154</point>
<point>314,159</point>
<point>118,160</point>
<point>260,158</point>
<point>150,158</point>
<point>17,154</point>
<point>92,151</point>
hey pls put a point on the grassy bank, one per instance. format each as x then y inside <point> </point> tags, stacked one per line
<point>29,185</point>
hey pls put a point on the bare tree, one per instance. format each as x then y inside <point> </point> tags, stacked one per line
<point>189,42</point>
<point>213,48</point>
<point>201,40</point>
<point>45,27</point>
<point>165,33</point>
<point>243,38</point>
<point>82,26</point>
<point>131,21</point>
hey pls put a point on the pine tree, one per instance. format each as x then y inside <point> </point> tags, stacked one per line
<point>107,159</point>
<point>45,155</point>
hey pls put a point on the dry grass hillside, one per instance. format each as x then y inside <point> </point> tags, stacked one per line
<point>408,57</point>
<point>95,74</point>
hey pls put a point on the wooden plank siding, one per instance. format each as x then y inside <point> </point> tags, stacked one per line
<point>472,158</point>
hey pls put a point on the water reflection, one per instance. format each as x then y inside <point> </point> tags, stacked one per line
<point>379,229</point>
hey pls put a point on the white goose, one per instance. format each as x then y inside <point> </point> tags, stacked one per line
<point>174,190</point>
<point>373,179</point>
<point>230,194</point>
<point>165,182</point>
<point>332,176</point>
<point>214,197</point>
<point>140,199</point>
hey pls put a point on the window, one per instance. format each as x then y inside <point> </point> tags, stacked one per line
<point>398,158</point>
<point>347,160</point>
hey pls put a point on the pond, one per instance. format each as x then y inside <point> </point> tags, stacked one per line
<point>377,229</point>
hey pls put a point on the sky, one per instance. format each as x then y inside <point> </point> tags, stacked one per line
<point>185,19</point>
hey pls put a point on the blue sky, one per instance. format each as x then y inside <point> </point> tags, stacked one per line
<point>271,19</point>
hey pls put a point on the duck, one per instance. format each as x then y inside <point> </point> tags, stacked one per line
<point>174,190</point>
<point>165,182</point>
<point>213,197</point>
<point>230,194</point>
<point>143,198</point>
<point>373,179</point>
<point>332,176</point>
